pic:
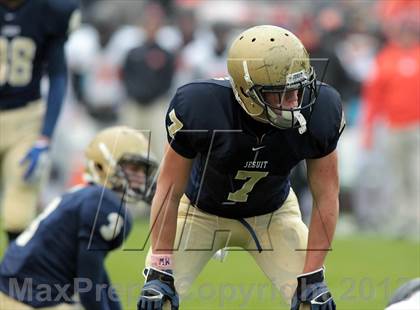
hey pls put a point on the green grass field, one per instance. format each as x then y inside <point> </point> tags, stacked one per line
<point>362,273</point>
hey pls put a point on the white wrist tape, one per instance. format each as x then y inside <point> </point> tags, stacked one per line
<point>42,143</point>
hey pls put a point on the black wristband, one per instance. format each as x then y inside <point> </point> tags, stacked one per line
<point>165,277</point>
<point>311,278</point>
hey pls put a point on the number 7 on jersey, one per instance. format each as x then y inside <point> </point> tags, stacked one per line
<point>241,195</point>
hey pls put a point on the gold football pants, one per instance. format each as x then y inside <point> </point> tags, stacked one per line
<point>19,129</point>
<point>282,235</point>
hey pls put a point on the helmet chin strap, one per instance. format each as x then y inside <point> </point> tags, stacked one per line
<point>286,121</point>
<point>247,77</point>
<point>302,122</point>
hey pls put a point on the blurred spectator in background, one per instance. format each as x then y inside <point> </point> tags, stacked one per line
<point>317,35</point>
<point>187,24</point>
<point>324,59</point>
<point>391,99</point>
<point>194,42</point>
<point>212,62</point>
<point>147,76</point>
<point>95,53</point>
<point>94,64</point>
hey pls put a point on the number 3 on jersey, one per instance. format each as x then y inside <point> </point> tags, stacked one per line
<point>16,59</point>
<point>113,228</point>
<point>252,177</point>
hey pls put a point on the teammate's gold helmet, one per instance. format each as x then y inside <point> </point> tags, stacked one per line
<point>110,150</point>
<point>271,59</point>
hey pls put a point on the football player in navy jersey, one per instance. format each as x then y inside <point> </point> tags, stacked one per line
<point>62,252</point>
<point>32,37</point>
<point>232,144</point>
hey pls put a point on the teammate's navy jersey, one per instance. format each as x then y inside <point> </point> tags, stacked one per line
<point>242,166</point>
<point>46,252</point>
<point>27,35</point>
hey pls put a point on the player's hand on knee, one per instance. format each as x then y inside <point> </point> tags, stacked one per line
<point>36,161</point>
<point>158,289</point>
<point>312,292</point>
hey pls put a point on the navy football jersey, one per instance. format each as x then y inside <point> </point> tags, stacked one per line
<point>47,251</point>
<point>26,36</point>
<point>241,166</point>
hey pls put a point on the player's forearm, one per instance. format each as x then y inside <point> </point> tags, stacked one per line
<point>170,187</point>
<point>57,74</point>
<point>321,232</point>
<point>163,219</point>
<point>55,100</point>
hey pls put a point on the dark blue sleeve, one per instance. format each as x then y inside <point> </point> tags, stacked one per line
<point>95,290</point>
<point>57,73</point>
<point>327,122</point>
<point>61,18</point>
<point>110,294</point>
<point>104,221</point>
<point>178,127</point>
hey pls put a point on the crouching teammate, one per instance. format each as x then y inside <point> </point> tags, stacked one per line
<point>63,250</point>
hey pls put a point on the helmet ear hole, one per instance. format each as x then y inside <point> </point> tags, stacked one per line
<point>99,166</point>
<point>244,93</point>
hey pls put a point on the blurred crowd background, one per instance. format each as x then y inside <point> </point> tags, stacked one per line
<point>128,58</point>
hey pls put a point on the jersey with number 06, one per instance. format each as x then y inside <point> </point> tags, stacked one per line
<point>27,33</point>
<point>241,166</point>
<point>47,251</point>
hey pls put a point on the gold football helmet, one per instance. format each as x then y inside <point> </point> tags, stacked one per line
<point>114,149</point>
<point>269,59</point>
